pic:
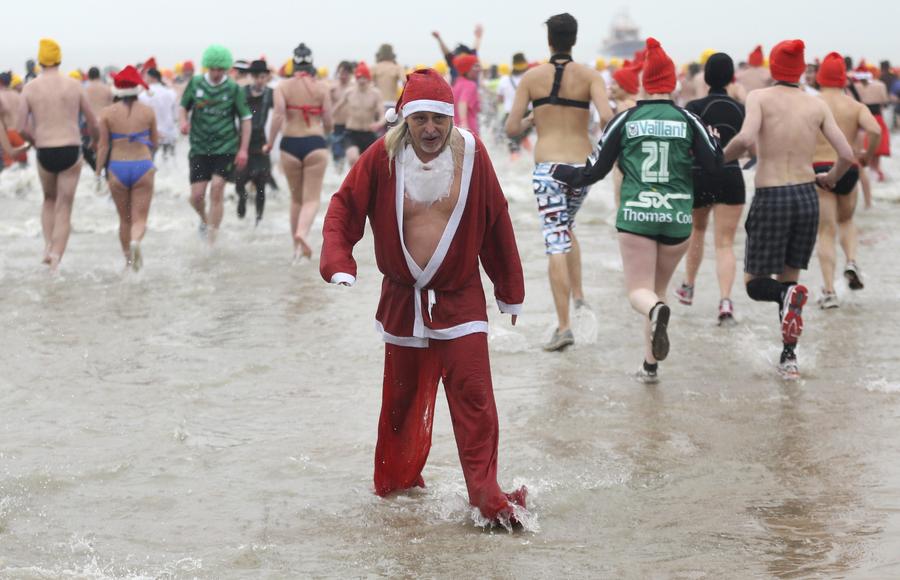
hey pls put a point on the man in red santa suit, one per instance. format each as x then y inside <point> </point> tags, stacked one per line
<point>436,208</point>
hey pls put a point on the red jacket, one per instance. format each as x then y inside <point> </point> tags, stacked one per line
<point>446,299</point>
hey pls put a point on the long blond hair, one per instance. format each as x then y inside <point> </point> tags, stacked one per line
<point>398,137</point>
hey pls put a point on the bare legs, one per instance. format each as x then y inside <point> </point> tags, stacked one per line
<point>305,181</point>
<point>726,218</point>
<point>212,218</point>
<point>565,282</point>
<point>56,212</point>
<point>835,217</point>
<point>133,207</point>
<point>648,267</point>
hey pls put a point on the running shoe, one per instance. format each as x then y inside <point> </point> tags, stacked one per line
<point>582,303</point>
<point>560,340</point>
<point>685,294</point>
<point>659,337</point>
<point>646,376</point>
<point>853,276</point>
<point>788,367</point>
<point>828,300</point>
<point>726,313</point>
<point>792,313</point>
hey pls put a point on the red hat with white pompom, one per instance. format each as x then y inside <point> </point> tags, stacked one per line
<point>425,90</point>
<point>128,82</point>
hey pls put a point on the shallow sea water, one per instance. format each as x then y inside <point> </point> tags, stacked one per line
<point>214,416</point>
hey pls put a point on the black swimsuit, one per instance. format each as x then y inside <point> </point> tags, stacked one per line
<point>560,61</point>
<point>58,159</point>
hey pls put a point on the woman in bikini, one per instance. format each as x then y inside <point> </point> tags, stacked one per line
<point>128,138</point>
<point>303,109</point>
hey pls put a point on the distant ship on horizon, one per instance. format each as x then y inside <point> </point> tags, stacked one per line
<point>624,37</point>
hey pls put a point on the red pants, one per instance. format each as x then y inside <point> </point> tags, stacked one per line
<point>407,413</point>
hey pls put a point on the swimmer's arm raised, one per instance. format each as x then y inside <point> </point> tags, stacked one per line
<point>749,132</point>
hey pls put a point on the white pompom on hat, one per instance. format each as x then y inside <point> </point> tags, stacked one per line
<point>425,90</point>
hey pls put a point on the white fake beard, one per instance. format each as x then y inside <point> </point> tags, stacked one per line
<point>427,182</point>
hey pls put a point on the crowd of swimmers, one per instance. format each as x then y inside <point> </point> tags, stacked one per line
<point>675,143</point>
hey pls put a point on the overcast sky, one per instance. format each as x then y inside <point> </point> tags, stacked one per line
<point>118,32</point>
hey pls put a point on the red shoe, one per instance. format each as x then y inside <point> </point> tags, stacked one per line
<point>792,313</point>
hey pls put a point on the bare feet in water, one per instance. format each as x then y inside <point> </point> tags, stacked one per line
<point>302,249</point>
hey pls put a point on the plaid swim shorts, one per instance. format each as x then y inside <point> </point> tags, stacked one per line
<point>557,205</point>
<point>781,228</point>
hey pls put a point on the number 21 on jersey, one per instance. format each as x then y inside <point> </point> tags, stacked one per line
<point>657,151</point>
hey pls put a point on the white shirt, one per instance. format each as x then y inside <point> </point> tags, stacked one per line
<point>507,90</point>
<point>164,103</point>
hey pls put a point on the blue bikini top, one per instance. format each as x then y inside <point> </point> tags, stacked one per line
<point>139,137</point>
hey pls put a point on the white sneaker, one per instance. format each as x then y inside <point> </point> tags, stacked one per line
<point>646,377</point>
<point>828,300</point>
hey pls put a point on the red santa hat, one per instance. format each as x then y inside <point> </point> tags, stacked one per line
<point>425,90</point>
<point>464,63</point>
<point>362,70</point>
<point>128,82</point>
<point>786,61</point>
<point>659,70</point>
<point>756,57</point>
<point>832,72</point>
<point>627,78</point>
<point>151,63</point>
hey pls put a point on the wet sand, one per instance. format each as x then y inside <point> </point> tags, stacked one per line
<point>214,416</point>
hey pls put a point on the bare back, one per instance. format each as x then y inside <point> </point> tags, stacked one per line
<point>791,122</point>
<point>99,96</point>
<point>562,131</point>
<point>124,118</point>
<point>753,78</point>
<point>53,101</point>
<point>387,75</point>
<point>10,101</point>
<point>851,117</point>
<point>424,224</point>
<point>873,92</point>
<point>299,91</point>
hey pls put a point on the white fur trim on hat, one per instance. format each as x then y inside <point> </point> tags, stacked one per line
<point>129,92</point>
<point>391,115</point>
<point>439,107</point>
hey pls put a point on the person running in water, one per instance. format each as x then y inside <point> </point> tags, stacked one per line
<point>364,114</point>
<point>214,102</point>
<point>507,93</point>
<point>836,206</point>
<point>164,102</point>
<point>561,93</point>
<point>720,193</point>
<point>655,144</point>
<point>303,108</point>
<point>338,137</point>
<point>436,211</point>
<point>128,138</point>
<point>260,98</point>
<point>783,122</point>
<point>48,118</point>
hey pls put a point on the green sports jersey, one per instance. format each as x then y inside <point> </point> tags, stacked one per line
<point>215,110</point>
<point>655,144</point>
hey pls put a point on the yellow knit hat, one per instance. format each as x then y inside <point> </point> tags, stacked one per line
<point>49,53</point>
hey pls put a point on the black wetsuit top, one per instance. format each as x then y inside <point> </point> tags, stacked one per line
<point>722,113</point>
<point>260,106</point>
<point>560,61</point>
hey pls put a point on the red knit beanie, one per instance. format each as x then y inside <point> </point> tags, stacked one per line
<point>627,78</point>
<point>832,72</point>
<point>659,71</point>
<point>464,63</point>
<point>786,62</point>
<point>756,57</point>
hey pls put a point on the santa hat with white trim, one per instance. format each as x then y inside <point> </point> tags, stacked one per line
<point>128,82</point>
<point>425,90</point>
